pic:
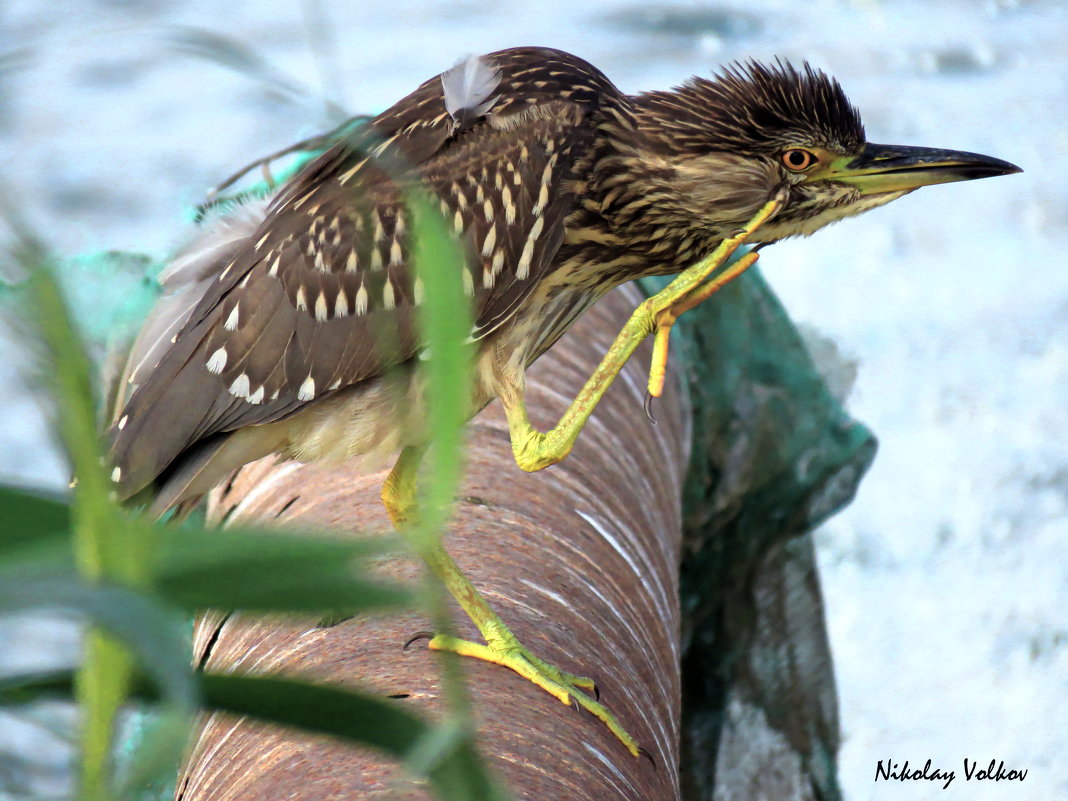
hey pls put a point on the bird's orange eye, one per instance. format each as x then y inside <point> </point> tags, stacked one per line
<point>798,160</point>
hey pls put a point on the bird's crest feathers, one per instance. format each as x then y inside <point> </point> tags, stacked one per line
<point>751,107</point>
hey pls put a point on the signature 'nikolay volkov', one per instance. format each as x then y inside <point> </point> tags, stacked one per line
<point>995,771</point>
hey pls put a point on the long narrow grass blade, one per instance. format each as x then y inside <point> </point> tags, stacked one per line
<point>105,547</point>
<point>445,318</point>
<point>273,572</point>
<point>155,632</point>
<point>455,772</point>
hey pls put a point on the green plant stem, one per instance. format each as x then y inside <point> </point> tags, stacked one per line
<point>439,261</point>
<point>105,548</point>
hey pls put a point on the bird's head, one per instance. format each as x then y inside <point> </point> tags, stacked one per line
<point>728,145</point>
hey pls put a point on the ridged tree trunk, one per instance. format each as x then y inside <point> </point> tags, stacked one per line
<point>581,560</point>
<point>586,562</point>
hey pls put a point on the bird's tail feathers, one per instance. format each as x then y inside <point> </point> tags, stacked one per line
<point>207,464</point>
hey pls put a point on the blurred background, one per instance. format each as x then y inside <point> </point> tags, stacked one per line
<point>946,581</point>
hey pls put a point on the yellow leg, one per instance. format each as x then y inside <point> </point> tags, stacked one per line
<point>501,646</point>
<point>398,493</point>
<point>668,317</point>
<point>535,450</point>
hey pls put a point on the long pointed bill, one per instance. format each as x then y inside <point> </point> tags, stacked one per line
<point>893,168</point>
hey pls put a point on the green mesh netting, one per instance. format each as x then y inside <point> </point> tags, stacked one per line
<point>774,454</point>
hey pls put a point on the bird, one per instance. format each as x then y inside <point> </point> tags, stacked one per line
<point>289,325</point>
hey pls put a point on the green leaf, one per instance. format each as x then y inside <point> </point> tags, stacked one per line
<point>28,515</point>
<point>195,568</point>
<point>155,634</point>
<point>68,371</point>
<point>455,772</point>
<point>270,571</point>
<point>29,688</point>
<point>34,530</point>
<point>456,775</point>
<point>104,546</point>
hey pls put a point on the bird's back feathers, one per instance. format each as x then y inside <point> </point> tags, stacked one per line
<point>320,296</point>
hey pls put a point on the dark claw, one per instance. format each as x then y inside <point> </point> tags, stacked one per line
<point>760,245</point>
<point>419,635</point>
<point>647,755</point>
<point>596,692</point>
<point>648,405</point>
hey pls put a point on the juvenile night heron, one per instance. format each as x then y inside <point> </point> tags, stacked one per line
<point>560,187</point>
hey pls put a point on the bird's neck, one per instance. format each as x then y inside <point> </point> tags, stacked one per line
<point>632,217</point>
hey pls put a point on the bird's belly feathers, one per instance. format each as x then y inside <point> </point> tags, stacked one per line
<point>373,419</point>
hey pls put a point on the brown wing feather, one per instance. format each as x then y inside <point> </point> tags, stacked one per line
<point>320,297</point>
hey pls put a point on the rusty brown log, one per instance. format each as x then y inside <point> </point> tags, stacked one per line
<point>581,560</point>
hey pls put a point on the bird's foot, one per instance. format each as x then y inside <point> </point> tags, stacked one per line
<point>667,308</point>
<point>695,285</point>
<point>505,650</point>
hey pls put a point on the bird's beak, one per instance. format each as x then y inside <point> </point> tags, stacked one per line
<point>893,168</point>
